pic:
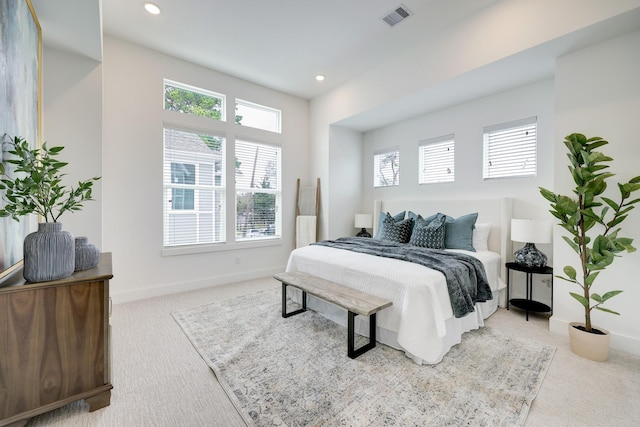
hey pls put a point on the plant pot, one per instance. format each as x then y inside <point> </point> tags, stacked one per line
<point>49,253</point>
<point>589,345</point>
<point>87,254</point>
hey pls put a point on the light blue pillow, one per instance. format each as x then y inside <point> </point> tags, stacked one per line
<point>459,232</point>
<point>429,234</point>
<point>415,216</point>
<point>397,217</point>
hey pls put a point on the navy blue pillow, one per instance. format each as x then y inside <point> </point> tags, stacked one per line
<point>396,231</point>
<point>429,233</point>
<point>398,217</point>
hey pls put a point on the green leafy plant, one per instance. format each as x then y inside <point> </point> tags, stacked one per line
<point>36,186</point>
<point>592,219</point>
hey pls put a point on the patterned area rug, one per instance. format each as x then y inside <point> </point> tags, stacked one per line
<point>295,371</point>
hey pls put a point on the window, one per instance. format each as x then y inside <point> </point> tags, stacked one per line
<point>258,190</point>
<point>386,168</point>
<point>437,160</point>
<point>194,190</point>
<point>510,149</point>
<point>191,100</point>
<point>257,116</point>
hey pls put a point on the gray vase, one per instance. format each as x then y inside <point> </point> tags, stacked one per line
<point>49,253</point>
<point>87,254</point>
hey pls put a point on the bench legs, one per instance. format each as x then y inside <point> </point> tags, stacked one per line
<point>351,352</point>
<point>284,303</point>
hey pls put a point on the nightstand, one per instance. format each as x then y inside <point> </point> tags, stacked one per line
<point>529,304</point>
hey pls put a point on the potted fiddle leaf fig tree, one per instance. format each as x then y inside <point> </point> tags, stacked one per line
<point>34,186</point>
<point>593,223</point>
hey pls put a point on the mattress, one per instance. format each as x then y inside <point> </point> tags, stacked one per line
<point>420,322</point>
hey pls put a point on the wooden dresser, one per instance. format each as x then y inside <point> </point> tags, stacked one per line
<point>55,344</point>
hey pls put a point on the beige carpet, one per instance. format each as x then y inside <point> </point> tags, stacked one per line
<point>295,371</point>
<point>159,380</point>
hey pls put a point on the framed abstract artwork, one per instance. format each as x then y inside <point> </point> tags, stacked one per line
<point>20,109</point>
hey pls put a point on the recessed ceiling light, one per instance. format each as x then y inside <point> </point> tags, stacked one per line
<point>320,77</point>
<point>152,8</point>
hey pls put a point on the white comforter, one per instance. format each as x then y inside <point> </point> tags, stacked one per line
<point>421,320</point>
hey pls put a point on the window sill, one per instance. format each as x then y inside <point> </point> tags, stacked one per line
<point>219,247</point>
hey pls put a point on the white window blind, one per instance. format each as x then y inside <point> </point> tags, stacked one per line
<point>386,168</point>
<point>194,191</point>
<point>510,149</point>
<point>258,190</point>
<point>437,160</point>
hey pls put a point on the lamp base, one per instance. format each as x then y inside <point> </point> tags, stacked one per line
<point>530,256</point>
<point>363,233</point>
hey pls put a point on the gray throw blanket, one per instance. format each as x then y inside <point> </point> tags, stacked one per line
<point>466,279</point>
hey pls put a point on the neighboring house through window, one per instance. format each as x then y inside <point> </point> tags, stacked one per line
<point>195,192</point>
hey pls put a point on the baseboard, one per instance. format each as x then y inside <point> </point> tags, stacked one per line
<point>174,288</point>
<point>618,342</point>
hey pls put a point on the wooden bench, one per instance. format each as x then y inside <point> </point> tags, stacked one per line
<point>354,301</point>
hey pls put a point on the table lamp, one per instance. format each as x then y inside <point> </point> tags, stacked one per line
<point>363,221</point>
<point>529,232</point>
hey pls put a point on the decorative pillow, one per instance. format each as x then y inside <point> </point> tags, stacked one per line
<point>429,234</point>
<point>396,231</point>
<point>459,232</point>
<point>415,216</point>
<point>398,217</point>
<point>481,236</point>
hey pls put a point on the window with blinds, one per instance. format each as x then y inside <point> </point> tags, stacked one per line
<point>258,190</point>
<point>510,149</point>
<point>437,160</point>
<point>194,190</point>
<point>386,168</point>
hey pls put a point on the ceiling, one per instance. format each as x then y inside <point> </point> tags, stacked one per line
<point>283,44</point>
<point>280,44</point>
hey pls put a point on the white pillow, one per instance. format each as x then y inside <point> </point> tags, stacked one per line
<point>481,236</point>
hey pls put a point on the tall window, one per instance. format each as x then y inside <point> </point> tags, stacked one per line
<point>510,149</point>
<point>386,168</point>
<point>192,100</point>
<point>437,160</point>
<point>194,189</point>
<point>258,190</point>
<point>257,116</point>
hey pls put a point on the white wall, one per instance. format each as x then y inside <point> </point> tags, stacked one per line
<point>466,121</point>
<point>72,117</point>
<point>132,162</point>
<point>598,94</point>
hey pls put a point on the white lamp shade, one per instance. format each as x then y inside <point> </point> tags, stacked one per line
<point>531,230</point>
<point>363,221</point>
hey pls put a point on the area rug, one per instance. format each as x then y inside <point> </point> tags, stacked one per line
<point>295,371</point>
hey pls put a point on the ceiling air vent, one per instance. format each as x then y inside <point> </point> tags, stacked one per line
<point>397,15</point>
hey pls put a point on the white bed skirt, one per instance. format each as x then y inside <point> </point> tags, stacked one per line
<point>420,322</point>
<point>455,326</point>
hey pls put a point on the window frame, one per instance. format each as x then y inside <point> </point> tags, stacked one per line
<point>376,162</point>
<point>256,106</point>
<point>172,156</point>
<point>277,191</point>
<point>496,135</point>
<point>436,143</point>
<point>200,91</point>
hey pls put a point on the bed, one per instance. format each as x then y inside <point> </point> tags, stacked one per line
<point>421,321</point>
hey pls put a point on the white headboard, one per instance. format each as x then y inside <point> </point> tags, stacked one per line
<point>496,211</point>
